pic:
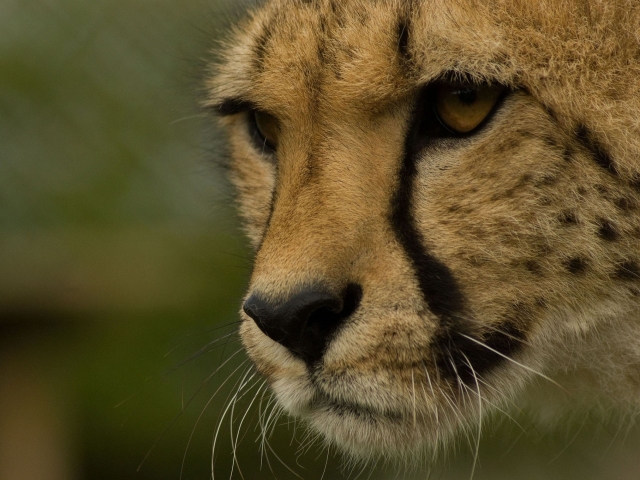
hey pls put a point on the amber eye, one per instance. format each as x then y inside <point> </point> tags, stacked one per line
<point>462,107</point>
<point>267,129</point>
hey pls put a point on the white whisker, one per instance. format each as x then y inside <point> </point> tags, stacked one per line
<point>542,375</point>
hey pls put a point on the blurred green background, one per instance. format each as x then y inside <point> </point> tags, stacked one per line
<point>122,267</point>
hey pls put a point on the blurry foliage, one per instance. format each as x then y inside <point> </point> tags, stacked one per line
<point>119,248</point>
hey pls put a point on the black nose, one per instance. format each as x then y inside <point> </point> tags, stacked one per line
<point>306,322</point>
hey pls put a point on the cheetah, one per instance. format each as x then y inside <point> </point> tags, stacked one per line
<point>443,198</point>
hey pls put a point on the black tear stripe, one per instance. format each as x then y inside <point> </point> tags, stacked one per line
<point>460,353</point>
<point>598,152</point>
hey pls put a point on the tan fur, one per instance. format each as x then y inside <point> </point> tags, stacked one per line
<point>506,210</point>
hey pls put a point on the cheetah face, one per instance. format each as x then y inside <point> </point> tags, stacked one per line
<point>436,211</point>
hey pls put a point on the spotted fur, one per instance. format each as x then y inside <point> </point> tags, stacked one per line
<point>487,264</point>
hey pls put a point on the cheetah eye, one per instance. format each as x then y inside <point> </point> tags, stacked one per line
<point>461,108</point>
<point>266,130</point>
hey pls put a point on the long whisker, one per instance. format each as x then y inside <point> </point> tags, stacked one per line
<point>426,371</point>
<point>215,437</point>
<point>542,375</point>
<point>464,394</point>
<point>234,401</point>
<point>166,373</point>
<point>220,327</point>
<point>477,450</point>
<point>206,380</point>
<point>506,398</point>
<point>413,389</point>
<point>261,424</point>
<point>282,462</point>
<point>255,397</point>
<point>202,413</point>
<point>209,347</point>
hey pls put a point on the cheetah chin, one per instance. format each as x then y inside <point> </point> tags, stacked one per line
<point>444,202</point>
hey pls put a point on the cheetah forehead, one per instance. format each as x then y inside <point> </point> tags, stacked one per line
<point>569,53</point>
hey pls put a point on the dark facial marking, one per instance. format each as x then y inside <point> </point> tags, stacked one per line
<point>533,267</point>
<point>607,231</point>
<point>552,142</point>
<point>403,40</point>
<point>460,353</point>
<point>508,144</point>
<point>568,218</point>
<point>437,284</point>
<point>462,356</point>
<point>550,112</point>
<point>546,180</point>
<point>321,47</point>
<point>261,45</point>
<point>576,265</point>
<point>598,153</point>
<point>626,204</point>
<point>602,190</point>
<point>628,270</point>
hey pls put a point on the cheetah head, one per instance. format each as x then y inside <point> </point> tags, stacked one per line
<point>443,199</point>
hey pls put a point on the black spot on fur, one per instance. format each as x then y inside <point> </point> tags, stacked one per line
<point>507,145</point>
<point>322,52</point>
<point>576,265</point>
<point>546,180</point>
<point>626,204</point>
<point>550,112</point>
<point>602,190</point>
<point>607,231</point>
<point>526,178</point>
<point>533,267</point>
<point>567,155</point>
<point>598,153</point>
<point>628,270</point>
<point>550,141</point>
<point>568,218</point>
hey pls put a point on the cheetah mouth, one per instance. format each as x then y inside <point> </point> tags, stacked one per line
<point>362,430</point>
<point>328,405</point>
